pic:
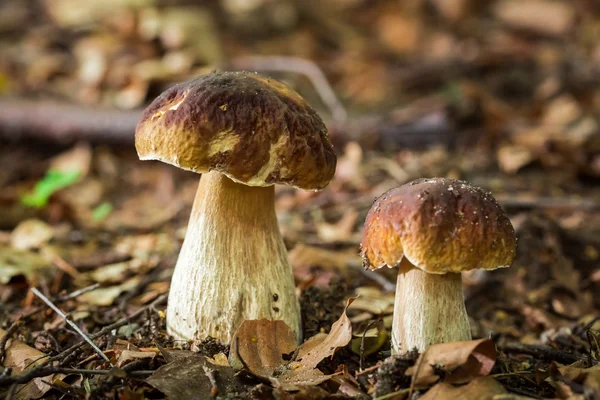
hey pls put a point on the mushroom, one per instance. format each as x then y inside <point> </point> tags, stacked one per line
<point>434,229</point>
<point>244,133</point>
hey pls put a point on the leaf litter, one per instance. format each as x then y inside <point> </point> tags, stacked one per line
<point>491,93</point>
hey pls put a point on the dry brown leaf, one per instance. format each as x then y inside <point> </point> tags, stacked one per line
<point>311,344</point>
<point>78,158</point>
<point>259,345</point>
<point>541,16</point>
<point>512,158</point>
<point>577,372</point>
<point>219,359</point>
<point>31,234</point>
<point>128,356</point>
<point>106,296</point>
<point>186,376</point>
<point>302,256</point>
<point>339,336</point>
<point>17,262</point>
<point>339,231</point>
<point>296,378</point>
<point>483,388</point>
<point>21,357</point>
<point>463,361</point>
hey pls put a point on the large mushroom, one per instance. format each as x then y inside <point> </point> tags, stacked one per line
<point>434,229</point>
<point>244,133</point>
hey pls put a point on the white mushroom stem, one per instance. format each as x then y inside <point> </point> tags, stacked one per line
<point>233,264</point>
<point>429,309</point>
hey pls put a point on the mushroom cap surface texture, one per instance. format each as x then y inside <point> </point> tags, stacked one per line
<point>255,130</point>
<point>440,225</point>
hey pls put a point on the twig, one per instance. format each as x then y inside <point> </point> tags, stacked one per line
<point>299,66</point>
<point>543,352</point>
<point>516,201</point>
<point>413,380</point>
<point>107,329</point>
<point>505,374</point>
<point>65,123</point>
<point>40,370</point>
<point>62,299</point>
<point>210,374</point>
<point>7,334</point>
<point>362,343</point>
<point>401,391</point>
<point>71,324</point>
<point>11,392</point>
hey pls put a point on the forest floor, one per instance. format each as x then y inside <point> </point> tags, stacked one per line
<point>505,103</point>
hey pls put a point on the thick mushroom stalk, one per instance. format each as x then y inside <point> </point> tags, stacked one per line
<point>233,264</point>
<point>434,229</point>
<point>428,309</point>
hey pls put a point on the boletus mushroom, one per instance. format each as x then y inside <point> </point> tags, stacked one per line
<point>244,133</point>
<point>433,230</point>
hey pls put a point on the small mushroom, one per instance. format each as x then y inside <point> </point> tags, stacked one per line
<point>244,133</point>
<point>434,229</point>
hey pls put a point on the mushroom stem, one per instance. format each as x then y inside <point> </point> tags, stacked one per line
<point>428,309</point>
<point>233,264</point>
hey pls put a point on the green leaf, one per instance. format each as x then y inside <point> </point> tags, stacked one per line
<point>51,183</point>
<point>102,211</point>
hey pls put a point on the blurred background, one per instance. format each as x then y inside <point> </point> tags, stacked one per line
<point>502,93</point>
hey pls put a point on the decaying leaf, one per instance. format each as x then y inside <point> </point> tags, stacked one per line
<point>339,336</point>
<point>31,234</point>
<point>462,361</point>
<point>106,296</point>
<point>187,377</point>
<point>128,356</point>
<point>304,370</point>
<point>482,388</point>
<point>259,345</point>
<point>21,357</point>
<point>578,373</point>
<point>303,256</point>
<point>17,262</point>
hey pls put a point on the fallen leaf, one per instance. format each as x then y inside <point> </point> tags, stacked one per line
<point>21,357</point>
<point>128,356</point>
<point>463,361</point>
<point>17,262</point>
<point>577,372</point>
<point>339,231</point>
<point>304,371</point>
<point>106,296</point>
<point>78,158</point>
<point>186,377</point>
<point>259,345</point>
<point>540,16</point>
<point>31,234</point>
<point>302,256</point>
<point>219,359</point>
<point>339,336</point>
<point>482,388</point>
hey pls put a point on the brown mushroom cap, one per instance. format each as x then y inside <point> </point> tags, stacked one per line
<point>253,129</point>
<point>440,225</point>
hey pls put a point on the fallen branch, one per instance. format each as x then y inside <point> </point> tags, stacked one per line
<point>51,121</point>
<point>61,123</point>
<point>299,66</point>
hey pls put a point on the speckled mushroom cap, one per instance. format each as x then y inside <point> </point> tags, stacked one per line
<point>253,129</point>
<point>440,225</point>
